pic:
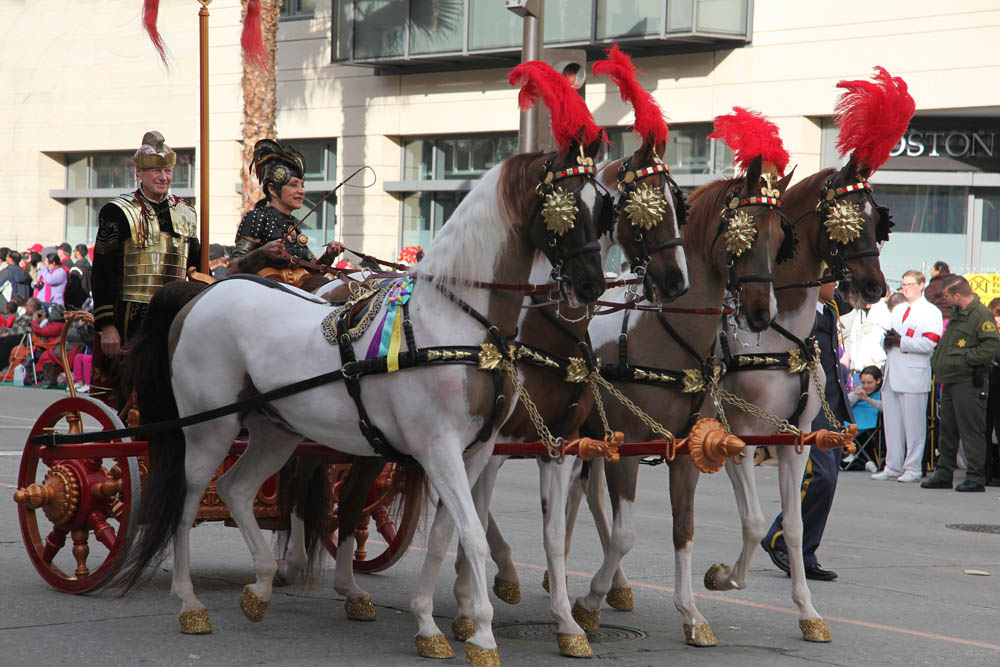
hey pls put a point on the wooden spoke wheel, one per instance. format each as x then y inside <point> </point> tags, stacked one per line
<point>78,498</point>
<point>394,525</point>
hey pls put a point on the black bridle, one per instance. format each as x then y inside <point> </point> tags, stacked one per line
<point>734,203</point>
<point>837,254</point>
<point>628,183</point>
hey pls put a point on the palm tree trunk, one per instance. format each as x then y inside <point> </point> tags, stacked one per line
<point>260,93</point>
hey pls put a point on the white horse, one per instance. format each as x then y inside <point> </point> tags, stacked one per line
<point>219,349</point>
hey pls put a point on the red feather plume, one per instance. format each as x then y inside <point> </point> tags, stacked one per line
<point>252,39</point>
<point>150,10</point>
<point>571,119</point>
<point>872,116</point>
<point>649,122</point>
<point>749,134</point>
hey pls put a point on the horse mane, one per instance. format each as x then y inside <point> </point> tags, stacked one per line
<point>706,203</point>
<point>480,229</point>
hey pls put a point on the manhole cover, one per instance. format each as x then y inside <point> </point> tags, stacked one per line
<point>547,632</point>
<point>976,527</point>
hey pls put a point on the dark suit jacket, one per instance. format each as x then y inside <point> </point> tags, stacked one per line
<point>829,359</point>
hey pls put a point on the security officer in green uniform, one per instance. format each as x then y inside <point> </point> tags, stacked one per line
<point>961,364</point>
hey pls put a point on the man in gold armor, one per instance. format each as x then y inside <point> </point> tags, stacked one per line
<point>145,239</point>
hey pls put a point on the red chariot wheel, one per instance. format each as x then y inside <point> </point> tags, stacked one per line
<point>395,528</point>
<point>75,498</point>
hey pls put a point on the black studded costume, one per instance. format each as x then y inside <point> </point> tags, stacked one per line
<point>274,166</point>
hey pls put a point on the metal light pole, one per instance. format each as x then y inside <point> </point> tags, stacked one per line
<point>533,13</point>
<point>203,86</point>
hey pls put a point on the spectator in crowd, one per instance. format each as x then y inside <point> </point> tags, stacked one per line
<point>31,261</point>
<point>48,331</point>
<point>8,315</point>
<point>820,480</point>
<point>6,289</point>
<point>866,327</point>
<point>81,265</point>
<point>51,282</point>
<point>935,290</point>
<point>993,412</point>
<point>916,331</point>
<point>961,364</point>
<point>10,337</point>
<point>65,253</point>
<point>15,276</point>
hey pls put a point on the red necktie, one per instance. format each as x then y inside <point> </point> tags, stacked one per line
<point>906,314</point>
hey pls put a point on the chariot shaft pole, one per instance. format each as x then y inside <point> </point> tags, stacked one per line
<point>203,169</point>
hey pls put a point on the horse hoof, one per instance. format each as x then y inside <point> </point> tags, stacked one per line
<point>253,607</point>
<point>621,599</point>
<point>279,580</point>
<point>481,657</point>
<point>508,591</point>
<point>360,609</point>
<point>590,621</point>
<point>462,629</point>
<point>699,635</point>
<point>545,581</point>
<point>815,630</point>
<point>435,646</point>
<point>712,582</point>
<point>195,622</point>
<point>574,646</point>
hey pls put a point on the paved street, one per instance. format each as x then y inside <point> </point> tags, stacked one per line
<point>902,597</point>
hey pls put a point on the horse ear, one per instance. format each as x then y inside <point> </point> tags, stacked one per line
<point>594,147</point>
<point>753,175</point>
<point>785,180</point>
<point>852,172</point>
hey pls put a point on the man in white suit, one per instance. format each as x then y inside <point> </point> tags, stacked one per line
<point>916,330</point>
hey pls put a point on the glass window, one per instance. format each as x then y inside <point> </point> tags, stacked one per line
<point>320,156</point>
<point>76,222</point>
<point>567,21</point>
<point>424,214</point>
<point>680,15</point>
<point>629,18</point>
<point>455,157</point>
<point>989,254</point>
<point>436,25</point>
<point>493,26</point>
<point>297,9</point>
<point>112,170</point>
<point>379,28</point>
<point>343,11</point>
<point>726,16</point>
<point>929,219</point>
<point>689,150</point>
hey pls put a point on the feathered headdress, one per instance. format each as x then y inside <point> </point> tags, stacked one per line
<point>749,134</point>
<point>872,116</point>
<point>252,39</point>
<point>571,119</point>
<point>649,122</point>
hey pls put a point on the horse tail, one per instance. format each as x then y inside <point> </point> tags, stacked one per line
<point>147,370</point>
<point>304,490</point>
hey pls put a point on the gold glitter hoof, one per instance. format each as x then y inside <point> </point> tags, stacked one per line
<point>195,622</point>
<point>253,607</point>
<point>574,646</point>
<point>590,621</point>
<point>545,581</point>
<point>815,630</point>
<point>712,577</point>
<point>481,657</point>
<point>435,646</point>
<point>360,609</point>
<point>699,635</point>
<point>509,591</point>
<point>621,599</point>
<point>462,629</point>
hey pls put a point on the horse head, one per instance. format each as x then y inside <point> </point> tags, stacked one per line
<point>749,237</point>
<point>852,226</point>
<point>565,224</point>
<point>647,220</point>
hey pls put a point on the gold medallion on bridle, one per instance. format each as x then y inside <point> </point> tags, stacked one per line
<point>645,207</point>
<point>768,189</point>
<point>559,211</point>
<point>740,233</point>
<point>844,222</point>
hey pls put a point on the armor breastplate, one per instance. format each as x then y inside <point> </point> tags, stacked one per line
<point>154,258</point>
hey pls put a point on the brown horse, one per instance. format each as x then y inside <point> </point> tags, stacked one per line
<point>793,395</point>
<point>658,347</point>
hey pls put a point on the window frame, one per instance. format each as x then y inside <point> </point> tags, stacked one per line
<point>295,14</point>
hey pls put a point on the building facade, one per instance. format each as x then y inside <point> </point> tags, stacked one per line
<point>417,90</point>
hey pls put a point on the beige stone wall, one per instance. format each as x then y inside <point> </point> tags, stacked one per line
<point>82,76</point>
